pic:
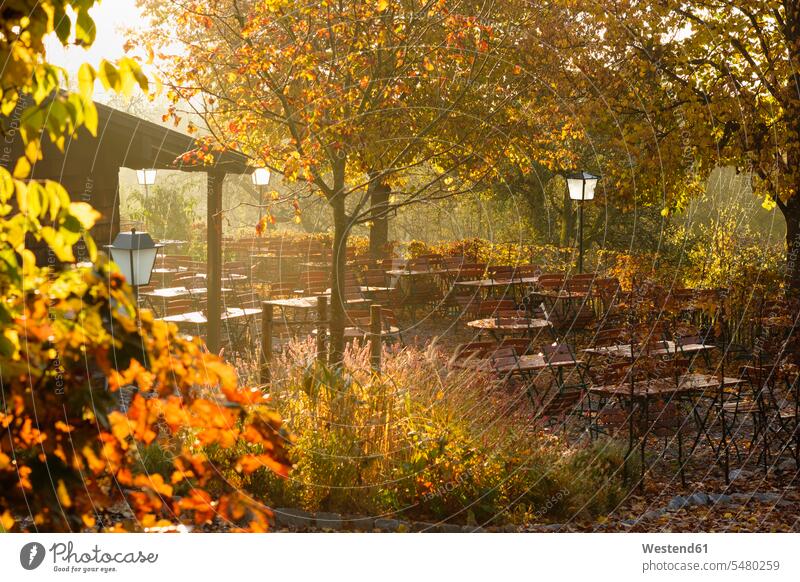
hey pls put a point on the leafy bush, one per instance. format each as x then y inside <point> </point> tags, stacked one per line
<point>69,450</point>
<point>69,342</point>
<point>169,211</point>
<point>549,257</point>
<point>428,443</point>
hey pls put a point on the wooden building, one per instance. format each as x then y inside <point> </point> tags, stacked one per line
<point>89,169</point>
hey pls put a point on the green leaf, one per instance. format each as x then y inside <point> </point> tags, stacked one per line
<point>71,228</point>
<point>74,108</point>
<point>85,29</point>
<point>5,315</point>
<point>9,265</point>
<point>7,347</point>
<point>31,122</point>
<point>61,23</point>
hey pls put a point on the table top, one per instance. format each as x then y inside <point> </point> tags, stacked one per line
<point>560,294</point>
<point>226,278</point>
<point>664,387</point>
<point>624,350</point>
<point>277,255</point>
<point>509,323</point>
<point>172,292</point>
<point>364,289</point>
<point>404,273</point>
<point>537,362</point>
<point>295,303</point>
<point>200,318</point>
<point>310,301</point>
<point>499,282</point>
<point>526,363</point>
<point>315,264</point>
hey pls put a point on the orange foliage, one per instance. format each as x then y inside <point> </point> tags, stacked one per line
<point>68,451</point>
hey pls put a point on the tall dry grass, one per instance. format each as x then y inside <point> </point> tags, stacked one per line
<point>427,442</point>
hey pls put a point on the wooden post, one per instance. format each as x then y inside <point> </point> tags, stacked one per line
<point>322,328</point>
<point>375,336</point>
<point>267,316</point>
<point>214,253</point>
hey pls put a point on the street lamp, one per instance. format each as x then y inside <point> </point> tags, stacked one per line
<point>260,178</point>
<point>146,177</point>
<point>581,187</point>
<point>135,255</point>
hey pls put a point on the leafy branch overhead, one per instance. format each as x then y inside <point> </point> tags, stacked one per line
<point>31,86</point>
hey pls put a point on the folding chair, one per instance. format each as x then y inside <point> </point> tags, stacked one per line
<point>559,356</point>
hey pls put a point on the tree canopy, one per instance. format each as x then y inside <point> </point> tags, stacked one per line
<point>415,95</point>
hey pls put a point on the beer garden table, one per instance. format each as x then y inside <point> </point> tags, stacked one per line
<point>199,318</point>
<point>499,326</point>
<point>670,348</point>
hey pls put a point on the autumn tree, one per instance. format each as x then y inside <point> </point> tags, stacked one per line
<point>661,93</point>
<point>374,104</point>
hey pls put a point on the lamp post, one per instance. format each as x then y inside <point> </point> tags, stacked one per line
<point>260,179</point>
<point>135,255</point>
<point>581,187</point>
<point>146,178</point>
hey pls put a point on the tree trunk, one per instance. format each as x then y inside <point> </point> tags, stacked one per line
<point>791,212</point>
<point>535,197</point>
<point>341,229</point>
<point>379,231</point>
<point>567,220</point>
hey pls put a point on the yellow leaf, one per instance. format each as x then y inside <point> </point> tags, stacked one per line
<point>6,185</point>
<point>86,78</point>
<point>63,496</point>
<point>32,151</point>
<point>90,119</point>
<point>6,521</point>
<point>22,169</point>
<point>84,213</point>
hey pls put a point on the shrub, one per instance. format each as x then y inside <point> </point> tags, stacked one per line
<point>429,443</point>
<point>168,210</point>
<point>68,449</point>
<point>548,257</point>
<point>69,342</point>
